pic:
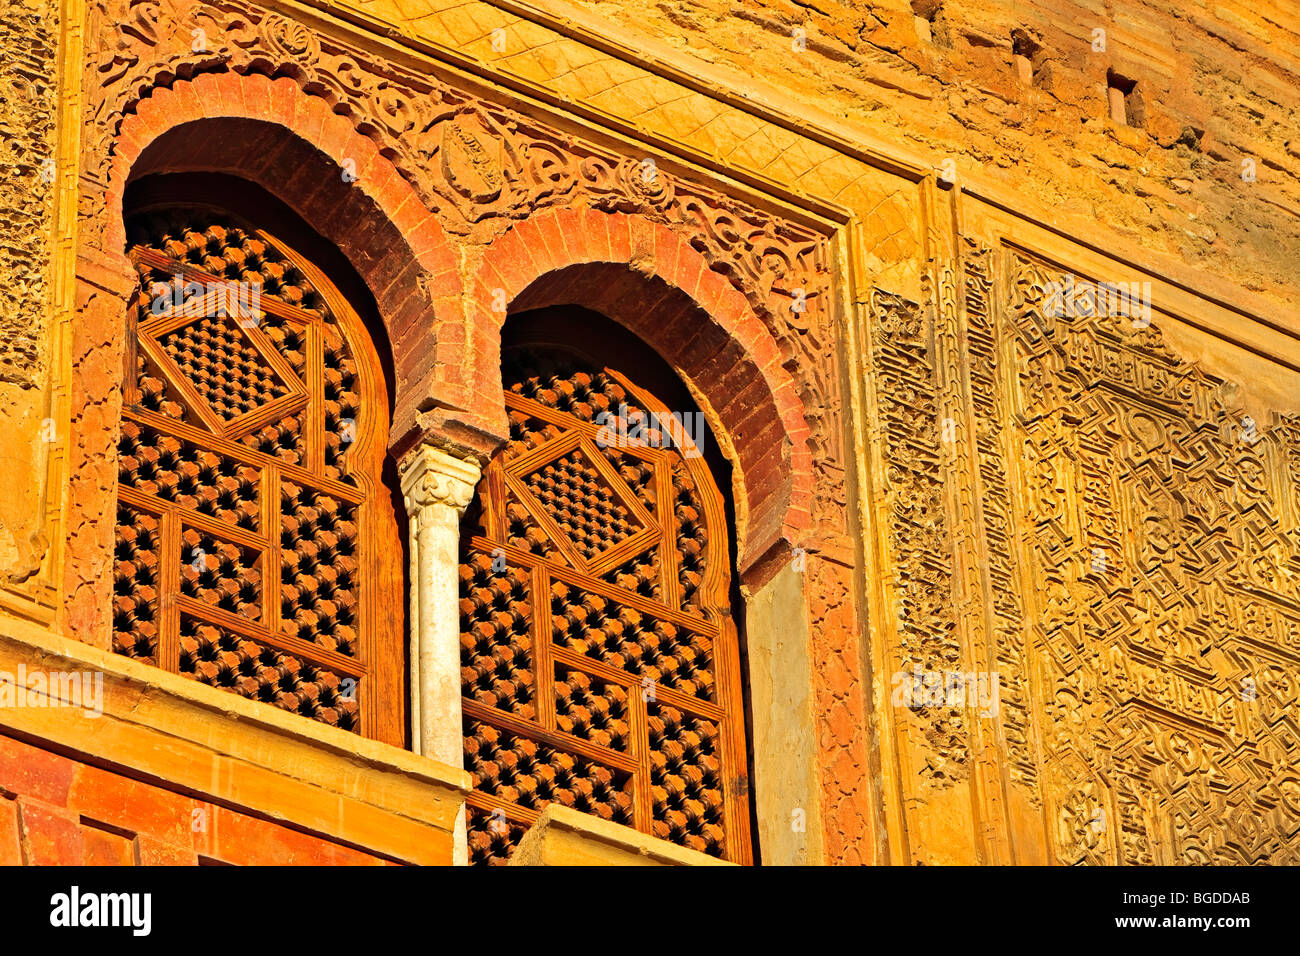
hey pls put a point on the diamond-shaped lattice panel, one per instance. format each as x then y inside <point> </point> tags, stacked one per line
<point>223,366</point>
<point>574,493</point>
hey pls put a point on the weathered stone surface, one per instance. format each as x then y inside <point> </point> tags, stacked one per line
<point>1219,83</point>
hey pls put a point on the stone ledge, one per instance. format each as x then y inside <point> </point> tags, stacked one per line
<point>563,836</point>
<point>190,737</point>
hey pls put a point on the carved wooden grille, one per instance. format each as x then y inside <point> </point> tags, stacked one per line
<point>599,660</point>
<point>253,551</point>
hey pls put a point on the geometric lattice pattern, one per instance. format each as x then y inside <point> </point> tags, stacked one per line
<point>223,366</point>
<point>223,658</point>
<point>1177,563</point>
<point>492,836</point>
<point>639,574</point>
<point>692,539</point>
<point>655,650</point>
<point>496,614</point>
<point>319,569</point>
<point>585,395</point>
<point>221,573</point>
<point>598,659</point>
<point>575,496</point>
<point>168,242</point>
<point>135,585</point>
<point>521,771</point>
<point>686,778</point>
<point>592,709</point>
<point>240,537</point>
<point>342,402</point>
<point>283,439</point>
<point>188,476</point>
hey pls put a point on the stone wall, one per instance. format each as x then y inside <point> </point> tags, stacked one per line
<point>1218,84</point>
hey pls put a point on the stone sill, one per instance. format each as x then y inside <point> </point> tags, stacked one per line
<point>563,836</point>
<point>258,759</point>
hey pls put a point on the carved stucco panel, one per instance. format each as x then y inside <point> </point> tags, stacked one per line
<point>28,121</point>
<point>1160,527</point>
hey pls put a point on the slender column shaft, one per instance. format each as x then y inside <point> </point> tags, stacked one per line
<point>437,488</point>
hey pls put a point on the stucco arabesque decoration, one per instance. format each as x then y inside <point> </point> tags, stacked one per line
<point>28,118</point>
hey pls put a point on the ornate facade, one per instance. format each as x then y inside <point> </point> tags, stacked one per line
<point>987,549</point>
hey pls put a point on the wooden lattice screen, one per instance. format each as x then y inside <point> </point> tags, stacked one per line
<point>257,550</point>
<point>599,657</point>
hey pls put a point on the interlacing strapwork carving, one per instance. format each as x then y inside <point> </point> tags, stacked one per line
<point>1163,534</point>
<point>599,658</point>
<point>241,523</point>
<point>920,589</point>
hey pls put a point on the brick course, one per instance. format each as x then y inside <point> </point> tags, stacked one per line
<point>56,810</point>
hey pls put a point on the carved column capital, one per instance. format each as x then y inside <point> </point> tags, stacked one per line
<point>431,476</point>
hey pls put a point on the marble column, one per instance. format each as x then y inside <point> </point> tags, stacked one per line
<point>437,488</point>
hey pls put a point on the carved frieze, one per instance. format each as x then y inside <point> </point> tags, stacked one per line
<point>919,558</point>
<point>1001,597</point>
<point>27,125</point>
<point>1160,527</point>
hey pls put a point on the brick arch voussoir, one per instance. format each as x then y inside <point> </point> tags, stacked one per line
<point>296,147</point>
<point>697,320</point>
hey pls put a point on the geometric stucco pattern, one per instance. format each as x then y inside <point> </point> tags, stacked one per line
<point>1159,534</point>
<point>1133,543</point>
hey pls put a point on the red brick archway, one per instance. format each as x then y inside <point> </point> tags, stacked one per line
<point>291,144</point>
<point>650,280</point>
<point>295,147</point>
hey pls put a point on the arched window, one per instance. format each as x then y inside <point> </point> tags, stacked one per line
<point>600,663</point>
<point>257,548</point>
